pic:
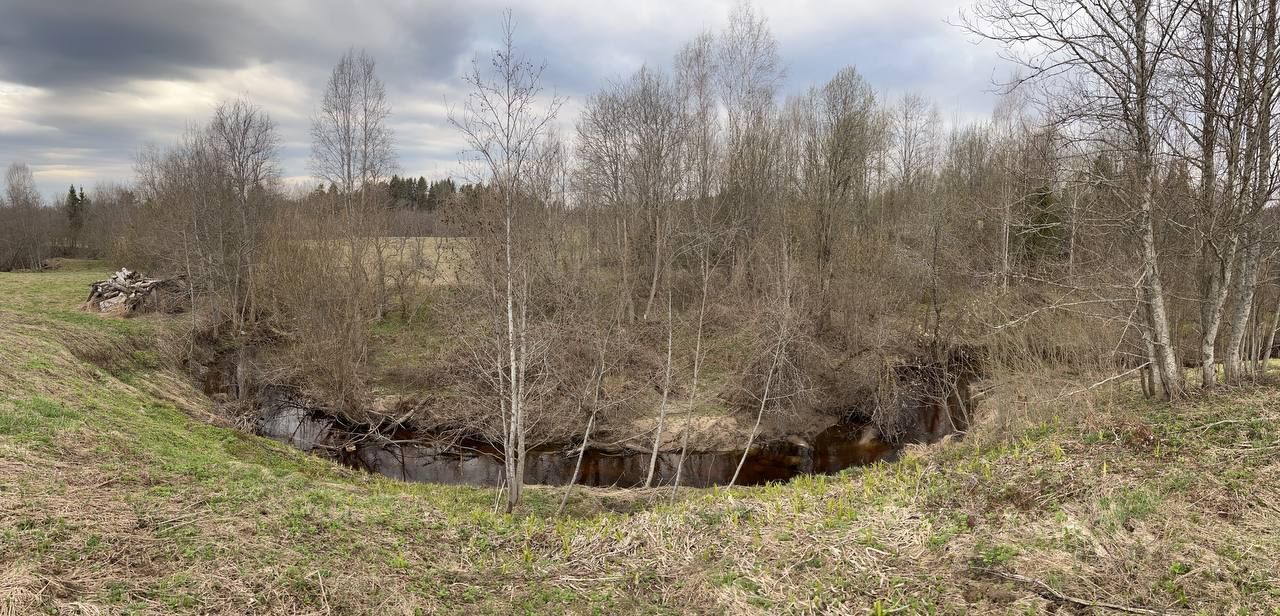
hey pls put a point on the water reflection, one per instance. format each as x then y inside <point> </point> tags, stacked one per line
<point>479,463</point>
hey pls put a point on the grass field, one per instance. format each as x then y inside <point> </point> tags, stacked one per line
<point>440,257</point>
<point>119,495</point>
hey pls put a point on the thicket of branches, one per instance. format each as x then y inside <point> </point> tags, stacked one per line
<point>29,232</point>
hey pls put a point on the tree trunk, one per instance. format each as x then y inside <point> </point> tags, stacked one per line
<point>1213,302</point>
<point>697,366</point>
<point>1260,150</point>
<point>629,298</point>
<point>662,407</point>
<point>764,401</point>
<point>242,369</point>
<point>1153,385</point>
<point>657,265</point>
<point>1006,221</point>
<point>512,454</point>
<point>1255,339</point>
<point>1246,283</point>
<point>1166,363</point>
<point>1216,267</point>
<point>586,434</point>
<point>1072,230</point>
<point>1265,354</point>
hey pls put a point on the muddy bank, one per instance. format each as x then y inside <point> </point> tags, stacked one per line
<point>422,456</point>
<point>924,402</point>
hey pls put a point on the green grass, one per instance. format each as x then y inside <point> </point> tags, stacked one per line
<point>119,496</point>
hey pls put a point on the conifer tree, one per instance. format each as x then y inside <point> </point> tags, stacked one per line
<point>420,194</point>
<point>74,206</point>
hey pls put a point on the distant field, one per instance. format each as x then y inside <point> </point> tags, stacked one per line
<point>441,254</point>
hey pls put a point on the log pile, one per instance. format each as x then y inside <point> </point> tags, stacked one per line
<point>127,292</point>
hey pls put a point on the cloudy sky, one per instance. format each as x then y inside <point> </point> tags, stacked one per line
<point>85,83</point>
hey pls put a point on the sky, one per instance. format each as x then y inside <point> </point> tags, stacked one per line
<point>85,84</point>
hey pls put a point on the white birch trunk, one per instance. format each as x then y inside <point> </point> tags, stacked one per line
<point>1246,283</point>
<point>697,365</point>
<point>662,407</point>
<point>1166,363</point>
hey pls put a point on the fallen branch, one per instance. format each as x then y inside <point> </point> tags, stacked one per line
<point>1102,382</point>
<point>1048,592</point>
<point>1234,421</point>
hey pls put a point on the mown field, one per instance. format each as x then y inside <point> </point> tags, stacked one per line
<point>120,493</point>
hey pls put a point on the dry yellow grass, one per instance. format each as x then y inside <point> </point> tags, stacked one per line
<point>438,257</point>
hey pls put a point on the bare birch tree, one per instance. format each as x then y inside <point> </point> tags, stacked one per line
<point>840,132</point>
<point>1106,59</point>
<point>351,142</point>
<point>603,148</point>
<point>503,121</point>
<point>352,149</point>
<point>656,121</point>
<point>1257,60</point>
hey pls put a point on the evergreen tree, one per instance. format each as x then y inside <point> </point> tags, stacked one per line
<point>74,207</point>
<point>421,193</point>
<point>440,193</point>
<point>395,191</point>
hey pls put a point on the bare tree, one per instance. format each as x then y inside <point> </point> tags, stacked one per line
<point>695,78</point>
<point>352,148</point>
<point>503,121</point>
<point>1106,60</point>
<point>783,384</point>
<point>604,147</point>
<point>655,119</point>
<point>705,233</point>
<point>708,244</point>
<point>1010,125</point>
<point>1217,235</point>
<point>666,393</point>
<point>840,131</point>
<point>105,220</point>
<point>749,71</point>
<point>351,143</point>
<point>20,186</point>
<point>1257,58</point>
<point>244,143</point>
<point>25,236</point>
<point>205,201</point>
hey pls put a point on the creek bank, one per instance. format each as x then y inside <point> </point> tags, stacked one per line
<point>925,403</point>
<point>424,456</point>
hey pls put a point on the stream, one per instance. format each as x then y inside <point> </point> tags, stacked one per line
<point>412,457</point>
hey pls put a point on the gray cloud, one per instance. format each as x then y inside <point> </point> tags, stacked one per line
<point>84,84</point>
<point>61,43</point>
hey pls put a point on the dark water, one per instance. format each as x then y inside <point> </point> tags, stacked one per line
<point>479,463</point>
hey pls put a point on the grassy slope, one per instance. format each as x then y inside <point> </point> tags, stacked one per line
<point>113,499</point>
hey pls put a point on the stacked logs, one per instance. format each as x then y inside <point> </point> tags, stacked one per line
<point>127,292</point>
